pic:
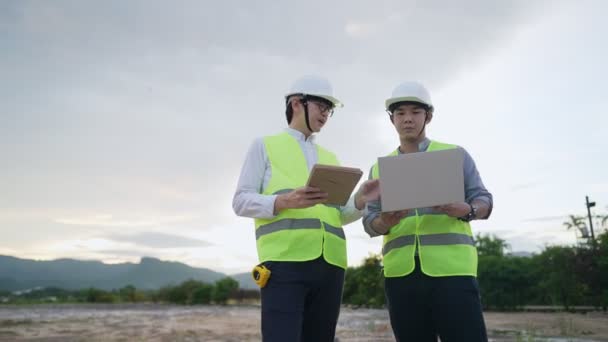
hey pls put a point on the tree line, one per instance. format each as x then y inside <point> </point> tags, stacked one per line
<point>563,276</point>
<point>189,292</point>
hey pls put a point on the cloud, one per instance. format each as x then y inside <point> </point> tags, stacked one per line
<point>598,188</point>
<point>126,254</point>
<point>546,218</point>
<point>123,101</point>
<point>107,220</point>
<point>359,30</point>
<point>525,186</point>
<point>535,242</point>
<point>159,240</point>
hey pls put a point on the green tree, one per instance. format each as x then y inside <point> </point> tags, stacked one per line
<point>131,294</point>
<point>202,294</point>
<point>94,295</point>
<point>490,245</point>
<point>223,289</point>
<point>127,293</point>
<point>578,223</point>
<point>602,264</point>
<point>180,294</point>
<point>505,282</point>
<point>555,268</point>
<point>587,271</point>
<point>364,285</point>
<point>589,267</point>
<point>163,294</point>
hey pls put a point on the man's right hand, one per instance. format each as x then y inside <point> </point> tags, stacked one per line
<point>303,197</point>
<point>383,223</point>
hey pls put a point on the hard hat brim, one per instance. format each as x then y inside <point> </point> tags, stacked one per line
<point>333,100</point>
<point>393,100</point>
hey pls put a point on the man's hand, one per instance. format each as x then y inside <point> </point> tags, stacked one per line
<point>458,209</point>
<point>368,191</point>
<point>303,197</point>
<point>383,223</point>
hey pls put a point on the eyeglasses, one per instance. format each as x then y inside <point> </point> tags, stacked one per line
<point>323,107</point>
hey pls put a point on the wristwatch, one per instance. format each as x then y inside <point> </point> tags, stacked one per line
<point>471,215</point>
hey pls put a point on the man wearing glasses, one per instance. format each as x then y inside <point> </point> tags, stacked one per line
<point>300,240</point>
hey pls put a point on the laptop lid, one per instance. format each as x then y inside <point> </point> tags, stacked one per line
<point>423,179</point>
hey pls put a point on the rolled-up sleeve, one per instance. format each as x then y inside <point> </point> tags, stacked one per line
<point>372,210</point>
<point>473,185</point>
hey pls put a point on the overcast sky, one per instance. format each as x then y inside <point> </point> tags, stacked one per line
<point>124,124</point>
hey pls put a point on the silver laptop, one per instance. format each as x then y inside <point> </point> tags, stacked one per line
<point>423,179</point>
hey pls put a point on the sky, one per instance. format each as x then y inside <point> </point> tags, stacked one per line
<point>124,125</point>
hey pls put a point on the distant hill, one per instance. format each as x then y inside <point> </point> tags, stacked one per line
<point>245,280</point>
<point>149,273</point>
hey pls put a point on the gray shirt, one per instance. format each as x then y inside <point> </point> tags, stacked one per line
<point>473,187</point>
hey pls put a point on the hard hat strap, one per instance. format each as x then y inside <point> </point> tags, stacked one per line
<point>305,103</point>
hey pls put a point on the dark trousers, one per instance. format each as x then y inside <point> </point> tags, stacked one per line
<point>301,301</point>
<point>422,308</point>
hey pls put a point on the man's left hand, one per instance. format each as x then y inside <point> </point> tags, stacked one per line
<point>458,209</point>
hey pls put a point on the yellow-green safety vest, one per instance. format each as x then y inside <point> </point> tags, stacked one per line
<point>445,244</point>
<point>298,234</point>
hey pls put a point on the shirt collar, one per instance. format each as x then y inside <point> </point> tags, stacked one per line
<point>299,135</point>
<point>422,146</point>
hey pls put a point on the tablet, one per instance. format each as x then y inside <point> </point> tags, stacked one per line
<point>338,181</point>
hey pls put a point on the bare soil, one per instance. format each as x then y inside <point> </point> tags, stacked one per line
<point>152,322</point>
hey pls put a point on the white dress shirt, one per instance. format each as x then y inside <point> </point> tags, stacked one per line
<point>248,200</point>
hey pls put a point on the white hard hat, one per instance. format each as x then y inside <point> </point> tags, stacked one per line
<point>314,86</point>
<point>409,91</point>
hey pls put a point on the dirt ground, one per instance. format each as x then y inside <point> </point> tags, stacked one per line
<point>151,322</point>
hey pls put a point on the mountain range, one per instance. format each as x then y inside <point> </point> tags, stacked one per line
<point>149,273</point>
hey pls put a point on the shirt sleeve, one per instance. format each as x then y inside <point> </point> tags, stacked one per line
<point>372,210</point>
<point>473,185</point>
<point>248,200</point>
<point>349,213</point>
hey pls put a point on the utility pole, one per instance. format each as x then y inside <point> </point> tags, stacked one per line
<point>589,206</point>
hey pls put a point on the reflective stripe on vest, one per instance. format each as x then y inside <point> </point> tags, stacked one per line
<point>298,234</point>
<point>446,239</point>
<point>445,245</point>
<point>297,224</point>
<point>399,242</point>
